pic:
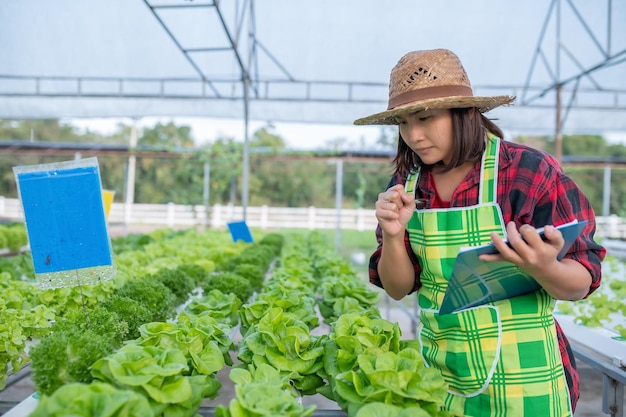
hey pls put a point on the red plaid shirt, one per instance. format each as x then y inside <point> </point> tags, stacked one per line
<point>532,189</point>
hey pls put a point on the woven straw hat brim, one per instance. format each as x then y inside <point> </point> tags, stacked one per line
<point>484,104</point>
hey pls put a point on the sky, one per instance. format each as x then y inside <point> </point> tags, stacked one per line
<point>299,136</point>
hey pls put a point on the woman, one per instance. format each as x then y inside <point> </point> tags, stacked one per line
<point>504,358</point>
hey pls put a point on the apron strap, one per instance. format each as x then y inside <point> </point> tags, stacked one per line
<point>488,190</point>
<point>411,181</point>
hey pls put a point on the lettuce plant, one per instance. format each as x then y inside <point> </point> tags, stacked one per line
<point>162,375</point>
<point>390,410</point>
<point>222,307</point>
<point>97,399</point>
<point>335,290</point>
<point>399,379</point>
<point>286,344</point>
<point>296,305</point>
<point>352,335</point>
<point>262,391</point>
<point>205,342</point>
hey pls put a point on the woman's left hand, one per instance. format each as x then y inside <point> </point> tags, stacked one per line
<point>566,279</point>
<point>527,249</point>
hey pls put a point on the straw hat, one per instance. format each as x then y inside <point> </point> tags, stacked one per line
<point>433,79</point>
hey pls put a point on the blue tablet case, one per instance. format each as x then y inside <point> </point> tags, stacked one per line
<point>474,282</point>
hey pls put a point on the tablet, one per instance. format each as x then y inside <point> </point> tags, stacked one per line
<point>474,282</point>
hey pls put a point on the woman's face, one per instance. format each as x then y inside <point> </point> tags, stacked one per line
<point>429,134</point>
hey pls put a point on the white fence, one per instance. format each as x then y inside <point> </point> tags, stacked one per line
<point>264,217</point>
<point>217,216</point>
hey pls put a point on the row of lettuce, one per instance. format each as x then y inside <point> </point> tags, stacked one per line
<point>286,315</point>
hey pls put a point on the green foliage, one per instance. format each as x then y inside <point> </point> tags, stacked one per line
<point>17,327</point>
<point>584,145</point>
<point>228,282</point>
<point>168,136</point>
<point>398,379</point>
<point>194,271</point>
<point>43,130</point>
<point>605,308</point>
<point>66,356</point>
<point>132,241</point>
<point>341,296</point>
<point>286,344</point>
<point>178,282</point>
<point>262,391</point>
<point>618,193</point>
<point>255,254</point>
<point>18,267</point>
<point>225,158</point>
<point>291,304</point>
<point>204,342</point>
<point>13,236</point>
<point>275,241</point>
<point>352,335</point>
<point>266,141</point>
<point>97,399</point>
<point>366,362</point>
<point>161,375</point>
<point>379,409</point>
<point>133,312</point>
<point>255,274</point>
<point>100,320</point>
<point>66,301</point>
<point>22,319</point>
<point>153,294</point>
<point>222,307</point>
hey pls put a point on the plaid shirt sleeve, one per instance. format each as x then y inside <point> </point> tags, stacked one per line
<point>373,263</point>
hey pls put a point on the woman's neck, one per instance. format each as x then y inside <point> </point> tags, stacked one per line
<point>447,182</point>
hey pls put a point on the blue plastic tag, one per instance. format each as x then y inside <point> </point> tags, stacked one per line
<point>65,221</point>
<point>240,231</point>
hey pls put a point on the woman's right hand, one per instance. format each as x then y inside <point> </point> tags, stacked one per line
<point>394,209</point>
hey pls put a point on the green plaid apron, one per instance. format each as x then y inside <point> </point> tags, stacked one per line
<point>499,359</point>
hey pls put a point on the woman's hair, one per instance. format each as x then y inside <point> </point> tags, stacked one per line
<point>469,127</point>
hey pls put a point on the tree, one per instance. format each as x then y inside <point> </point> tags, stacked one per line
<point>168,136</point>
<point>225,157</point>
<point>584,145</point>
<point>265,139</point>
<point>44,130</point>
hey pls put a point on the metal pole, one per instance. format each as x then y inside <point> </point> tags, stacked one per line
<point>606,198</point>
<point>558,138</point>
<point>205,192</point>
<point>130,177</point>
<point>246,146</point>
<point>606,192</point>
<point>338,202</point>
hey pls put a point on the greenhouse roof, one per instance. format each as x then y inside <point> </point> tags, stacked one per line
<point>320,62</point>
